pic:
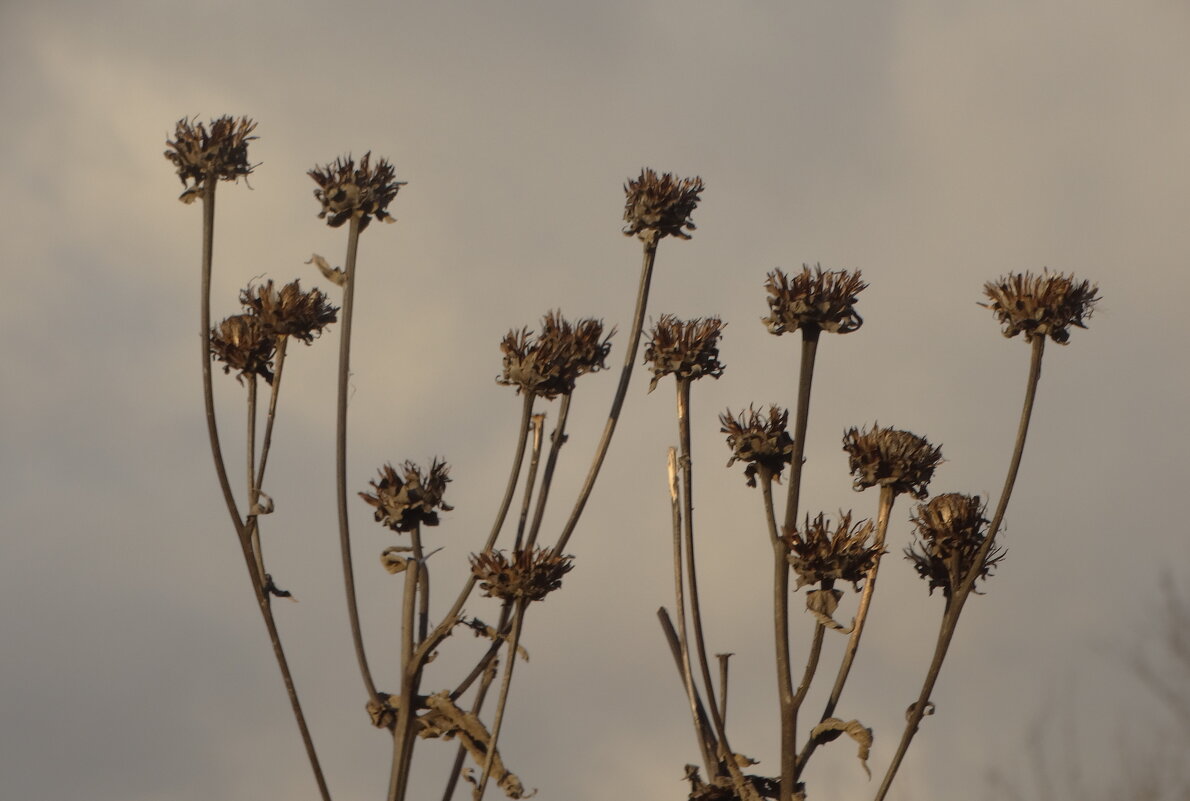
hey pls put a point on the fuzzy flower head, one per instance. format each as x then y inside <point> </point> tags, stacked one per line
<point>289,311</point>
<point>410,499</point>
<point>657,206</point>
<point>762,443</point>
<point>819,552</point>
<point>529,575</point>
<point>548,365</point>
<point>346,190</point>
<point>242,343</point>
<point>892,458</point>
<point>1040,305</point>
<point>688,349</point>
<point>819,300</point>
<point>218,154</point>
<point>951,529</point>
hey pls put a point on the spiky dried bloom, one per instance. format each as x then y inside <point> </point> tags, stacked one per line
<point>762,443</point>
<point>951,529</point>
<point>548,365</point>
<point>345,190</point>
<point>1037,305</point>
<point>889,457</point>
<point>688,349</point>
<point>289,311</point>
<point>822,299</point>
<point>410,499</point>
<point>528,575</point>
<point>219,154</point>
<point>242,343</point>
<point>660,205</point>
<point>845,553</point>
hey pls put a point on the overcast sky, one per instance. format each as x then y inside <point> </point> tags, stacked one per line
<point>934,145</point>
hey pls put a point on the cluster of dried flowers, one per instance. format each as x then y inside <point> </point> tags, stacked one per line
<point>201,156</point>
<point>547,365</point>
<point>685,349</point>
<point>410,499</point>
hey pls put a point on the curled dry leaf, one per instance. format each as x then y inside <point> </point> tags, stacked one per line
<point>444,719</point>
<point>333,274</point>
<point>482,629</point>
<point>831,728</point>
<point>392,561</point>
<point>822,604</point>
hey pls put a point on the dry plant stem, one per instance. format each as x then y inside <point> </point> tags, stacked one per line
<point>557,440</point>
<point>423,585</point>
<point>341,461</point>
<point>683,652</point>
<point>505,684</point>
<point>723,659</point>
<point>954,604</point>
<point>255,575</point>
<point>267,443</point>
<point>251,526</point>
<point>530,481</point>
<point>785,696</point>
<point>887,497</point>
<point>403,731</point>
<point>702,724</point>
<point>638,319</point>
<point>805,380</point>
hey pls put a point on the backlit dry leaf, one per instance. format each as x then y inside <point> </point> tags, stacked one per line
<point>831,728</point>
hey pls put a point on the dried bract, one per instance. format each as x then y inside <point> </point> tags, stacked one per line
<point>410,499</point>
<point>1040,305</point>
<point>822,299</point>
<point>845,553</point>
<point>345,190</point>
<point>688,349</point>
<point>243,344</point>
<point>951,529</point>
<point>220,154</point>
<point>289,311</point>
<point>528,575</point>
<point>892,458</point>
<point>659,206</point>
<point>762,443</point>
<point>548,365</point>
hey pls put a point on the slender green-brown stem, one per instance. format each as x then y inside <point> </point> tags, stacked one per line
<point>406,709</point>
<point>357,636</point>
<point>505,683</point>
<point>423,585</point>
<point>250,524</point>
<point>557,440</point>
<point>887,496</point>
<point>955,601</point>
<point>781,640</point>
<point>267,443</point>
<point>723,660</point>
<point>255,573</point>
<point>613,416</point>
<point>702,724</point>
<point>801,422</point>
<point>530,481</point>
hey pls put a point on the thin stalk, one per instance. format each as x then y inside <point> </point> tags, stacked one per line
<point>530,480</point>
<point>955,603</point>
<point>609,428</point>
<point>423,585</point>
<point>723,660</point>
<point>402,739</point>
<point>267,444</point>
<point>887,497</point>
<point>255,573</point>
<point>785,695</point>
<point>357,637</point>
<point>501,703</point>
<point>250,524</point>
<point>702,724</point>
<point>801,423</point>
<point>557,440</point>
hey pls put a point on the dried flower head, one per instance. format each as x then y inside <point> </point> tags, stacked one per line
<point>688,349</point>
<point>289,311</point>
<point>1037,305</point>
<point>548,365</point>
<point>659,206</point>
<point>219,154</point>
<point>892,458</point>
<point>345,190</point>
<point>405,501</point>
<point>528,575</point>
<point>822,299</point>
<point>819,553</point>
<point>951,529</point>
<point>242,343</point>
<point>762,443</point>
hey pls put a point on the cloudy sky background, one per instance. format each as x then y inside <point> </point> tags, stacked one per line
<point>934,145</point>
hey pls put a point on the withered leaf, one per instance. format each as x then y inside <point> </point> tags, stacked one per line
<point>333,274</point>
<point>822,604</point>
<point>831,728</point>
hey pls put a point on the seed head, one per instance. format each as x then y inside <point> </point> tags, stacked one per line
<point>891,458</point>
<point>845,554</point>
<point>688,349</point>
<point>548,365</point>
<point>289,311</point>
<point>345,190</point>
<point>950,531</point>
<point>405,501</point>
<point>528,575</point>
<point>823,299</point>
<point>757,441</point>
<point>659,206</point>
<point>1037,305</point>
<point>242,343</point>
<point>200,155</point>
